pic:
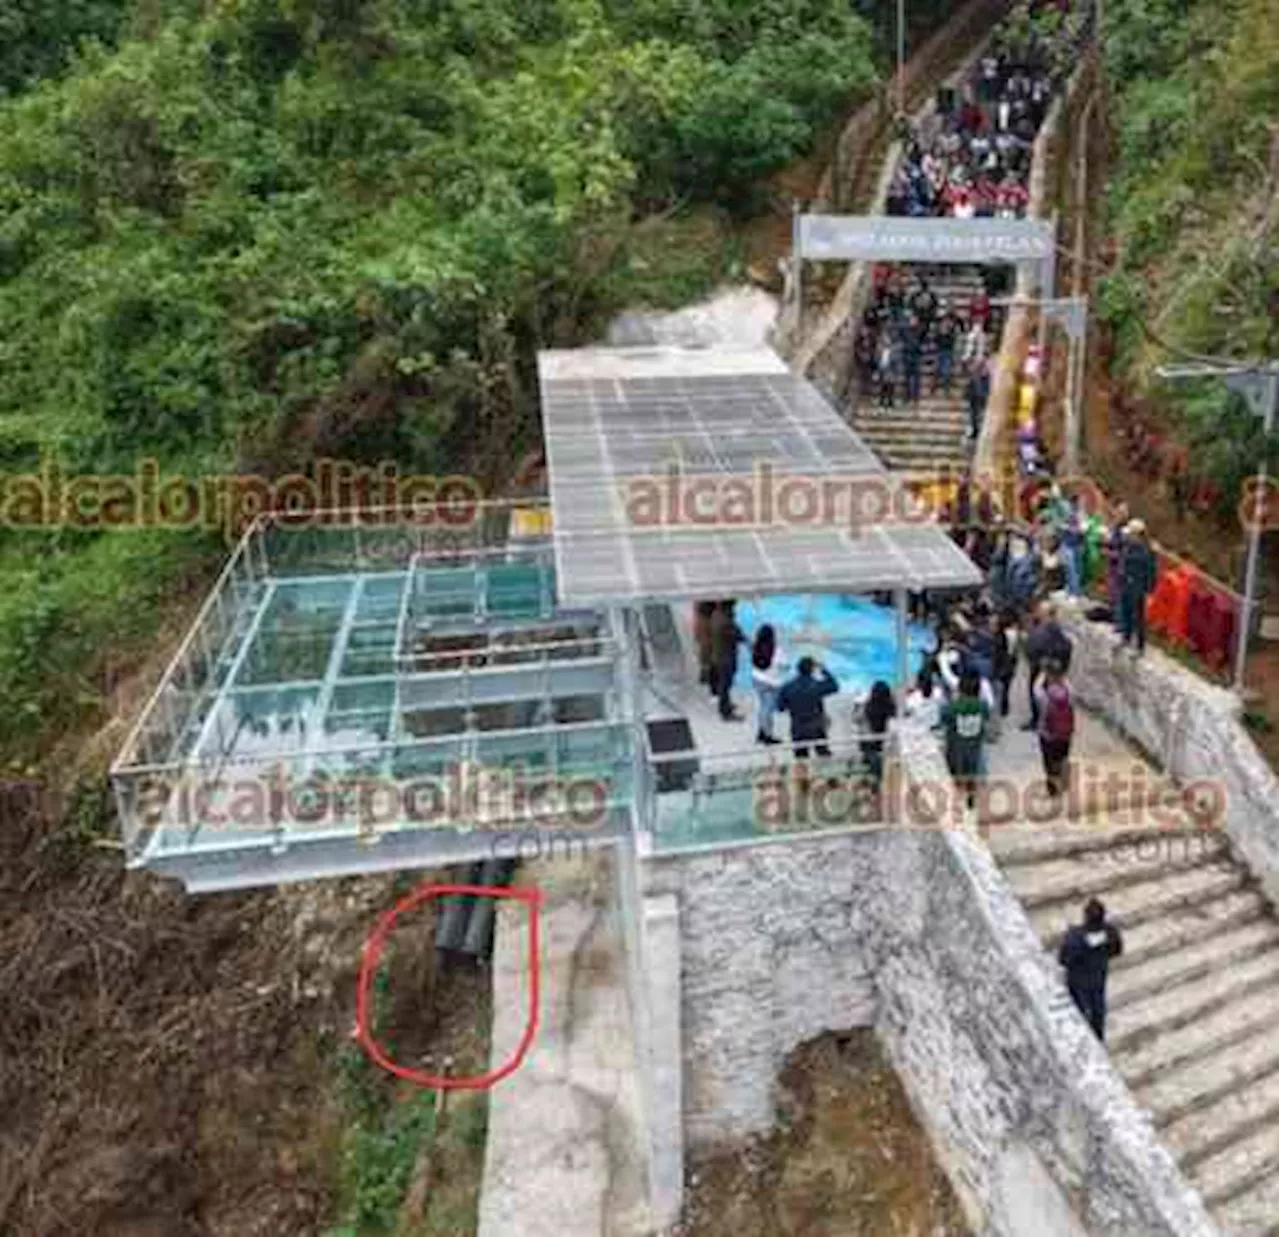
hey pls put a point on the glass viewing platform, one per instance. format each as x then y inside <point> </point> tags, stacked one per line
<point>367,691</point>
<point>367,696</point>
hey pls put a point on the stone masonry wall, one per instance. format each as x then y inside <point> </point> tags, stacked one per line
<point>916,933</point>
<point>774,951</point>
<point>1188,726</point>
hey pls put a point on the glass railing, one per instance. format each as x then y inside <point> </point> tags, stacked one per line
<point>571,777</point>
<point>702,800</point>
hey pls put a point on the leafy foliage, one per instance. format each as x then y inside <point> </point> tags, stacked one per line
<point>1191,203</point>
<point>254,232</point>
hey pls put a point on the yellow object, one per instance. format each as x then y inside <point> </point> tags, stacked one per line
<point>1027,401</point>
<point>531,522</point>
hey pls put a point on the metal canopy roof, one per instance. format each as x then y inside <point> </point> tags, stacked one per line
<point>681,472</point>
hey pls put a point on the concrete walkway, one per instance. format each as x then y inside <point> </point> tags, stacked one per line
<point>563,1156</point>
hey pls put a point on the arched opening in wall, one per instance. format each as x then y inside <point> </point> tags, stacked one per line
<point>847,1157</point>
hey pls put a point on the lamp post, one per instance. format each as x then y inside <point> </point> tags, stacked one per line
<point>902,58</point>
<point>1259,386</point>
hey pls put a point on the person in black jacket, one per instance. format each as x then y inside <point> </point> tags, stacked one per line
<point>877,713</point>
<point>802,698</point>
<point>726,635</point>
<point>1137,579</point>
<point>1086,953</point>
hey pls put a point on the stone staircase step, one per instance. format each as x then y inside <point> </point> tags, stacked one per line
<point>1193,1087</point>
<point>1185,925</point>
<point>1014,845</point>
<point>1202,1134</point>
<point>918,466</point>
<point>1130,905</point>
<point>914,445</point>
<point>1239,1167</point>
<point>1251,1213</point>
<point>1215,950</point>
<point>1218,1031</point>
<point>927,436</point>
<point>908,416</point>
<point>1135,1025</point>
<point>1096,872</point>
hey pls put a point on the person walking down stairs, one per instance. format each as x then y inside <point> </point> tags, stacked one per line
<point>1055,727</point>
<point>1085,955</point>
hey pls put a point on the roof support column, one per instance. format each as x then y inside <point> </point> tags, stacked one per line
<point>903,650</point>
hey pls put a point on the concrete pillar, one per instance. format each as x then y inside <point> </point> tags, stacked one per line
<point>666,1103</point>
<point>903,648</point>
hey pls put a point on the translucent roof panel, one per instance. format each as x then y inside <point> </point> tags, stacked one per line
<point>678,472</point>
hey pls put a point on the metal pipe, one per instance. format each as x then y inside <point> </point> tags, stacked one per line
<point>1255,540</point>
<point>902,56</point>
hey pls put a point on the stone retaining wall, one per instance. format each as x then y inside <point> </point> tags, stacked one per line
<point>773,951</point>
<point>915,932</point>
<point>1188,726</point>
<point>1035,1129</point>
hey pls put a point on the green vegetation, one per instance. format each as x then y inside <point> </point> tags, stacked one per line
<point>246,234</point>
<point>386,1131</point>
<point>1191,204</point>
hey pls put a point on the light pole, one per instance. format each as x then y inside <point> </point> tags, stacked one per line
<point>902,58</point>
<point>1260,388</point>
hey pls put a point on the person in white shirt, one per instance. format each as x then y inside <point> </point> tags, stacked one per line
<point>768,668</point>
<point>974,348</point>
<point>924,701</point>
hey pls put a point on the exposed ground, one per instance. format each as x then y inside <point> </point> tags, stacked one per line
<point>848,1159</point>
<point>174,1066</point>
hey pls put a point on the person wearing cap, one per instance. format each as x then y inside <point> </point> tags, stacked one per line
<point>1137,579</point>
<point>1086,953</point>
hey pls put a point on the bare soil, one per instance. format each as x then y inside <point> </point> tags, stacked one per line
<point>167,1062</point>
<point>848,1159</point>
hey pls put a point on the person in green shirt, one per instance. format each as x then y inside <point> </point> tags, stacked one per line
<point>964,725</point>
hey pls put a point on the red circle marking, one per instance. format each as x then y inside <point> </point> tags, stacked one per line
<point>373,955</point>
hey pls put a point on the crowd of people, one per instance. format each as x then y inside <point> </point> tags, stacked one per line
<point>970,157</point>
<point>908,331</point>
<point>982,637</point>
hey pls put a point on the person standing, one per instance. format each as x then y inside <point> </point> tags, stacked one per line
<point>886,368</point>
<point>1072,546</point>
<point>878,711</point>
<point>726,635</point>
<point>976,391</point>
<point>964,725</point>
<point>912,355</point>
<point>1085,955</point>
<point>766,677</point>
<point>1056,725</point>
<point>802,697</point>
<point>1115,553</point>
<point>924,702</point>
<point>945,333</point>
<point>702,612</point>
<point>1046,642</point>
<point>1137,579</point>
<point>1005,660</point>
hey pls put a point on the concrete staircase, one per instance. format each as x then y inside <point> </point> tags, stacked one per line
<point>927,436</point>
<point>1193,1001</point>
